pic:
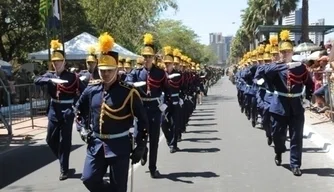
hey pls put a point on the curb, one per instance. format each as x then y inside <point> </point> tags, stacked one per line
<point>318,140</point>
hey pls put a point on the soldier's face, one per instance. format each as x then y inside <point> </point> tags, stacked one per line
<point>91,65</point>
<point>148,59</point>
<point>108,75</point>
<point>169,67</point>
<point>286,55</point>
<point>58,65</point>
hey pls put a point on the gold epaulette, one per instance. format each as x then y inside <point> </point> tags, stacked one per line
<point>95,82</point>
<point>126,85</point>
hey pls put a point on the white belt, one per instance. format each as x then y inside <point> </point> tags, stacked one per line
<point>175,95</point>
<point>69,101</point>
<point>111,136</point>
<point>150,99</point>
<point>290,95</point>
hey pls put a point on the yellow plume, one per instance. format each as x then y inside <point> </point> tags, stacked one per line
<point>168,50</point>
<point>268,48</point>
<point>273,40</point>
<point>55,45</point>
<point>284,35</point>
<point>176,53</point>
<point>106,42</point>
<point>92,50</point>
<point>148,39</point>
<point>261,49</point>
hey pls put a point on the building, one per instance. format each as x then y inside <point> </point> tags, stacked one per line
<point>317,38</point>
<point>221,46</point>
<point>295,18</point>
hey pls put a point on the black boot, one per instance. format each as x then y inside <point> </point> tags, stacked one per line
<point>63,176</point>
<point>296,171</point>
<point>154,174</point>
<point>278,159</point>
<point>269,141</point>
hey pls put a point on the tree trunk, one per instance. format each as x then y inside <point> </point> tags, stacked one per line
<point>305,31</point>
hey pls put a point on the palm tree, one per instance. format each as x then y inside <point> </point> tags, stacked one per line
<point>305,31</point>
<point>284,8</point>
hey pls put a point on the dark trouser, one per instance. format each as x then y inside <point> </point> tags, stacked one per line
<point>266,121</point>
<point>59,139</point>
<point>154,118</point>
<point>253,108</point>
<point>96,167</point>
<point>171,125</point>
<point>296,127</point>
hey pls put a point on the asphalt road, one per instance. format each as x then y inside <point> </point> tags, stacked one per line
<point>220,152</point>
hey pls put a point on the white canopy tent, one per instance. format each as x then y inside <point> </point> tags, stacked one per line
<point>77,49</point>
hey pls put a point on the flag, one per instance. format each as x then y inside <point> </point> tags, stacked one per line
<point>44,7</point>
<point>55,19</point>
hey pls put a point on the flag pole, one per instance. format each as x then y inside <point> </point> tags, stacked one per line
<point>61,26</point>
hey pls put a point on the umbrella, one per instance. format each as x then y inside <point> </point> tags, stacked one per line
<point>305,47</point>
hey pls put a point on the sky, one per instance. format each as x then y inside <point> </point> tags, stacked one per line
<point>207,16</point>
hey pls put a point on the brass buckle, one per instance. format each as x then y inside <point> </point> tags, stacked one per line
<point>290,95</point>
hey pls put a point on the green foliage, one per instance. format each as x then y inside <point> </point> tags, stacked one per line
<point>175,34</point>
<point>22,31</point>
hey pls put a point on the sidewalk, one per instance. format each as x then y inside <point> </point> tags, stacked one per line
<point>320,130</point>
<point>23,135</point>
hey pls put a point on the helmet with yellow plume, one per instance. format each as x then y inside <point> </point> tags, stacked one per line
<point>57,54</point>
<point>108,59</point>
<point>148,48</point>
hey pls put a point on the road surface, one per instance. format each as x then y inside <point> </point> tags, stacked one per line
<point>220,152</point>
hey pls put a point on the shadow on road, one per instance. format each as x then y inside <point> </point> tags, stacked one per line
<point>202,115</point>
<point>323,172</point>
<point>176,177</point>
<point>202,140</point>
<point>203,119</point>
<point>200,150</point>
<point>202,124</point>
<point>21,162</point>
<point>208,131</point>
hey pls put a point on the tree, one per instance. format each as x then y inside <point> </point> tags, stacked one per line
<point>175,34</point>
<point>127,21</point>
<point>305,31</point>
<point>19,32</point>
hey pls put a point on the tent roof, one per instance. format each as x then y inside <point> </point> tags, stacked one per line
<point>77,49</point>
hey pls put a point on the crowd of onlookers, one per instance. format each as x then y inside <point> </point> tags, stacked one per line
<point>321,64</point>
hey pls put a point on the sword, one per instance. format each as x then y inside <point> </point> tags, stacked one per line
<point>132,171</point>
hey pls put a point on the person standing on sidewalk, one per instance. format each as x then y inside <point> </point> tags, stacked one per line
<point>64,88</point>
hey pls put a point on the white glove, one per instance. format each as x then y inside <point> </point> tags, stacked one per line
<point>292,65</point>
<point>163,107</point>
<point>82,78</point>
<point>173,75</point>
<point>181,102</point>
<point>306,103</point>
<point>55,80</point>
<point>139,84</point>
<point>260,81</point>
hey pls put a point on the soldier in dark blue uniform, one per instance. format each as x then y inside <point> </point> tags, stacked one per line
<point>287,111</point>
<point>121,71</point>
<point>171,123</point>
<point>64,88</point>
<point>92,71</point>
<point>105,113</point>
<point>156,82</point>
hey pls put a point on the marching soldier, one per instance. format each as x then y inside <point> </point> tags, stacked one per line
<point>121,71</point>
<point>171,123</point>
<point>64,88</point>
<point>91,63</point>
<point>155,79</point>
<point>105,113</point>
<point>140,62</point>
<point>286,108</point>
<point>127,66</point>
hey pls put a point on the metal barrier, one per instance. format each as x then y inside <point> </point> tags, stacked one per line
<point>22,103</point>
<point>329,98</point>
